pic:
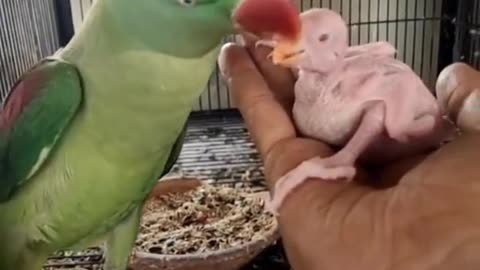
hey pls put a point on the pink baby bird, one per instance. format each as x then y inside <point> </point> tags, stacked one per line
<point>360,98</point>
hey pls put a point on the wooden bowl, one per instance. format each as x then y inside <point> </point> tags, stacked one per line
<point>232,258</point>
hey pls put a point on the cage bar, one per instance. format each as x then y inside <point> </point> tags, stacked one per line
<point>400,22</point>
<point>28,32</point>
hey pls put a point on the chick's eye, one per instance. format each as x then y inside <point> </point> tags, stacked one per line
<point>187,3</point>
<point>323,37</point>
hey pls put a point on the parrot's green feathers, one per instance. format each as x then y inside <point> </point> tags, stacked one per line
<point>35,114</point>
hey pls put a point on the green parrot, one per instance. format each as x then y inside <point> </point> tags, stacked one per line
<point>86,134</point>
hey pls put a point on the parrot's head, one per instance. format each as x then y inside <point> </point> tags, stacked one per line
<point>324,41</point>
<point>190,28</point>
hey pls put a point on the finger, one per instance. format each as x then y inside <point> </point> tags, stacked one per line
<point>265,118</point>
<point>281,80</point>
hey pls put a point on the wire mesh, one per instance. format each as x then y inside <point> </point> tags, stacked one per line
<point>468,32</point>
<point>413,26</point>
<point>28,32</point>
<point>475,32</point>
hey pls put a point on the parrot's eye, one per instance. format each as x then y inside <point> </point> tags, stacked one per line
<point>187,3</point>
<point>323,37</point>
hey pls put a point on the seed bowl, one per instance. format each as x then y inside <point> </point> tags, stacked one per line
<point>211,239</point>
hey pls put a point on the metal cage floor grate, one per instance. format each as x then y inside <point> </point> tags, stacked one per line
<point>218,150</point>
<point>92,259</point>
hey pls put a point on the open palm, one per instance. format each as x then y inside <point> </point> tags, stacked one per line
<point>419,213</point>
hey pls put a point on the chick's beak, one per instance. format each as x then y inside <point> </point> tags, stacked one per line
<point>286,52</point>
<point>278,18</point>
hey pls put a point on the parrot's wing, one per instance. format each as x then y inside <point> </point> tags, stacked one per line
<point>36,113</point>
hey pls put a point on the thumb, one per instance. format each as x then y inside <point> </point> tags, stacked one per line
<point>241,75</point>
<point>458,93</point>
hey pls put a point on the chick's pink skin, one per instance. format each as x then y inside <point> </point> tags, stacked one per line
<point>359,98</point>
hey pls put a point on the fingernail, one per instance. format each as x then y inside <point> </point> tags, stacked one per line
<point>234,59</point>
<point>240,40</point>
<point>223,59</point>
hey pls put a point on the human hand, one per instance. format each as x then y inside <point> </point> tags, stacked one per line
<point>427,218</point>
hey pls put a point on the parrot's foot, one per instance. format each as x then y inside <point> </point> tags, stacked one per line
<point>328,169</point>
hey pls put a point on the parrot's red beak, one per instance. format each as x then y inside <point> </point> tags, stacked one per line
<point>279,18</point>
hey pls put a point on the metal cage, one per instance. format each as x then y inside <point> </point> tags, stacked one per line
<point>467,34</point>
<point>412,26</point>
<point>28,32</point>
<point>429,34</point>
<point>418,29</point>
